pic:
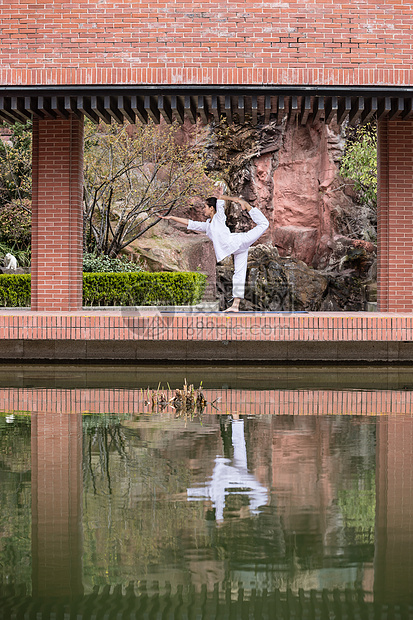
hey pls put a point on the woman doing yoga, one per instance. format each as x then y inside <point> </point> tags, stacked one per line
<point>225,242</point>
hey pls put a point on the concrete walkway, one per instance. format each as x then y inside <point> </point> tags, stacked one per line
<point>138,334</point>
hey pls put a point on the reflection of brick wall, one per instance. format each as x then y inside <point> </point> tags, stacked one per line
<point>283,402</point>
<point>321,42</point>
<point>57,504</point>
<point>393,570</point>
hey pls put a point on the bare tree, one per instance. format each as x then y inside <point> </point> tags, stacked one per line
<point>132,174</point>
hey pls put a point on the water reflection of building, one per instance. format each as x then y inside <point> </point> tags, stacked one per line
<point>304,457</point>
<point>393,562</point>
<point>57,505</point>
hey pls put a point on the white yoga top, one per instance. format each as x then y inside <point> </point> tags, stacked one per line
<point>225,242</point>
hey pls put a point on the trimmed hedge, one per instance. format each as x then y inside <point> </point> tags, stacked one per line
<point>118,289</point>
<point>15,290</point>
<point>143,289</point>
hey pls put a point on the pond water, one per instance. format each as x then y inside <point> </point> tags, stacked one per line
<point>120,508</point>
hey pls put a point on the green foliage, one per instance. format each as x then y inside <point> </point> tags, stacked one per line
<point>134,173</point>
<point>117,289</point>
<point>359,162</point>
<point>15,500</point>
<point>15,225</point>
<point>143,289</point>
<point>23,256</point>
<point>16,164</point>
<point>15,290</point>
<point>15,193</point>
<point>358,508</point>
<point>104,264</point>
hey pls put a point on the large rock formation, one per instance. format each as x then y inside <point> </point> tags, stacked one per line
<point>319,252</point>
<point>171,248</point>
<point>279,283</point>
<point>291,172</point>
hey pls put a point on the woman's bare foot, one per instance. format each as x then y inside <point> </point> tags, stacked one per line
<point>235,305</point>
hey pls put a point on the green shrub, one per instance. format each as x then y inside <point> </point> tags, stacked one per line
<point>104,264</point>
<point>118,289</point>
<point>15,290</point>
<point>143,289</point>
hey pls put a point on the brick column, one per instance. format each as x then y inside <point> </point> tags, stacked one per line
<point>395,216</point>
<point>57,504</point>
<point>57,229</point>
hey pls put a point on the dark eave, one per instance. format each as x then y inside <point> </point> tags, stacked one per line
<point>236,103</point>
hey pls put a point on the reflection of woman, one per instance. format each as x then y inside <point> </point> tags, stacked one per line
<point>232,478</point>
<point>227,243</point>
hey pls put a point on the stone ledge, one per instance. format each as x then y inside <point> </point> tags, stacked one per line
<point>207,306</point>
<point>224,351</point>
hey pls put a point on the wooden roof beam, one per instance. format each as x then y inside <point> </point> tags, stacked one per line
<point>215,108</point>
<point>228,109</point>
<point>125,108</point>
<point>71,108</point>
<point>370,109</point>
<point>151,109</point>
<point>408,109</point>
<point>136,104</point>
<point>203,109</point>
<point>306,109</point>
<point>177,109</point>
<point>397,108</point>
<point>384,108</point>
<point>319,109</point>
<point>17,107</point>
<point>83,105</point>
<point>254,109</point>
<point>281,111</point>
<point>190,109</point>
<point>165,109</point>
<point>331,109</point>
<point>356,111</point>
<point>96,104</point>
<point>344,108</point>
<point>267,109</point>
<point>241,109</point>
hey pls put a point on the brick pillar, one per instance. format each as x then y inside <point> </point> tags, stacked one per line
<point>57,504</point>
<point>57,229</point>
<point>395,216</point>
<point>393,558</point>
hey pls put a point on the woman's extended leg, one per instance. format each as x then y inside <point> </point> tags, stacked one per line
<point>255,233</point>
<point>241,256</point>
<point>238,279</point>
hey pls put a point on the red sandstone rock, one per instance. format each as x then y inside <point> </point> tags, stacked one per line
<point>297,241</point>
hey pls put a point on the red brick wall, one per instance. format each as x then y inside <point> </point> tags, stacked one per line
<point>395,216</point>
<point>57,227</point>
<point>209,42</point>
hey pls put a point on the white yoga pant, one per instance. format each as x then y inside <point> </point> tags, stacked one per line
<point>241,255</point>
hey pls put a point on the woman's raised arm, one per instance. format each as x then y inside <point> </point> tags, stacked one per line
<point>245,206</point>
<point>180,220</point>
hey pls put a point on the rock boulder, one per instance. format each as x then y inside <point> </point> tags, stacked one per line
<point>279,283</point>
